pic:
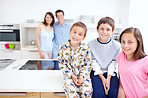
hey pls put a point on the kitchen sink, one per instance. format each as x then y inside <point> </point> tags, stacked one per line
<point>5,62</point>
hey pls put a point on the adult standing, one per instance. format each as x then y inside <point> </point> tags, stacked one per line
<point>44,36</point>
<point>61,32</point>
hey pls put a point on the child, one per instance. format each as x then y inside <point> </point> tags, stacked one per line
<point>75,62</point>
<point>133,65</point>
<point>104,50</point>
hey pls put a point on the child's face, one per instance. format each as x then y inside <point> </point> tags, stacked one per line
<point>128,44</point>
<point>77,35</point>
<point>104,31</point>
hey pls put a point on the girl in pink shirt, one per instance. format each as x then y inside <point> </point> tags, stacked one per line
<point>133,65</point>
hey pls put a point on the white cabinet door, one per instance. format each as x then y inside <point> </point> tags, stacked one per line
<point>10,54</point>
<point>30,54</point>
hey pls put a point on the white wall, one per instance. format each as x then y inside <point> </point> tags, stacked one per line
<point>138,17</point>
<point>17,11</point>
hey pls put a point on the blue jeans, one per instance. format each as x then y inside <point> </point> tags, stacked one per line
<point>98,89</point>
<point>56,65</point>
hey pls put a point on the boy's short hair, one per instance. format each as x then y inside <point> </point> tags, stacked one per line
<point>108,20</point>
<point>80,24</point>
<point>59,11</point>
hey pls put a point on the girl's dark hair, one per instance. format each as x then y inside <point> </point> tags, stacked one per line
<point>53,21</point>
<point>80,24</point>
<point>139,53</point>
<point>59,11</point>
<point>108,20</point>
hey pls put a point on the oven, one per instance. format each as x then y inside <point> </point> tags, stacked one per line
<point>10,37</point>
<point>9,33</point>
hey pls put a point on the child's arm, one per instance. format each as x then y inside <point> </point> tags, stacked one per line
<point>86,69</point>
<point>103,81</point>
<point>96,66</point>
<point>108,84</point>
<point>113,64</point>
<point>67,72</point>
<point>112,67</point>
<point>121,93</point>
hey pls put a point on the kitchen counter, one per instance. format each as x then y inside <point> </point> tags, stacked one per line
<point>14,80</point>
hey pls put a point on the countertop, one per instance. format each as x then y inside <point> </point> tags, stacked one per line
<point>14,80</point>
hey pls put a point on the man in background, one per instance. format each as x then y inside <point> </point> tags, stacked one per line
<point>61,33</point>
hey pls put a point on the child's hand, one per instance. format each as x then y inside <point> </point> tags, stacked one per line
<point>103,82</point>
<point>75,80</point>
<point>107,84</point>
<point>81,79</point>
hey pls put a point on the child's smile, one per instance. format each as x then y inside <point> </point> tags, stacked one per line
<point>77,35</point>
<point>128,44</point>
<point>104,31</point>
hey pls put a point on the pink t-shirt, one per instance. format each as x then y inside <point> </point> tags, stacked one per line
<point>133,76</point>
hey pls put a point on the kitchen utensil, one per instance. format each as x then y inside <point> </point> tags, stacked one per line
<point>32,43</point>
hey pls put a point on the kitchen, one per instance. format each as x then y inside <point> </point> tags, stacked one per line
<point>29,17</point>
<point>29,13</point>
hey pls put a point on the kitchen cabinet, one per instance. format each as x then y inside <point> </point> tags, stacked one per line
<point>34,95</point>
<point>50,95</point>
<point>10,54</point>
<point>30,54</point>
<point>28,95</point>
<point>29,50</point>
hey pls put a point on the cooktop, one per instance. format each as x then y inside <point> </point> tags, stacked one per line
<point>40,65</point>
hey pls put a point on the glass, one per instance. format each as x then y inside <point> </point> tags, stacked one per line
<point>40,65</point>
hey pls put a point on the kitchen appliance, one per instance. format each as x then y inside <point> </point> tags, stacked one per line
<point>115,36</point>
<point>40,65</point>
<point>10,36</point>
<point>5,62</point>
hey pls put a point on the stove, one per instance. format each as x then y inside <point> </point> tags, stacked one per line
<point>40,65</point>
<point>5,62</point>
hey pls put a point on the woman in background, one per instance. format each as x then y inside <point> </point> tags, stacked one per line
<point>44,36</point>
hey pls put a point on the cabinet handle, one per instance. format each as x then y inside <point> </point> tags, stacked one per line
<point>59,94</point>
<point>33,50</point>
<point>12,93</point>
<point>6,30</point>
<point>7,51</point>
